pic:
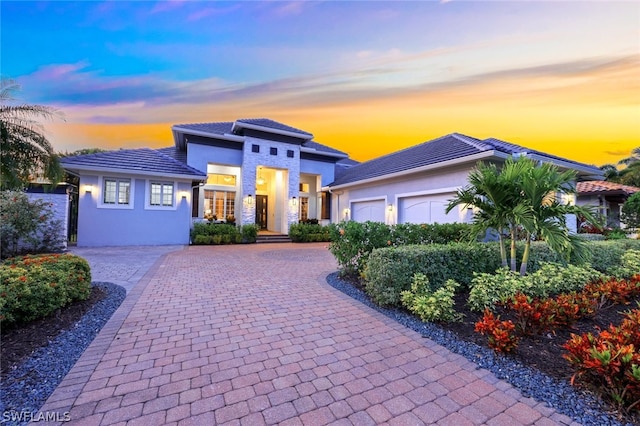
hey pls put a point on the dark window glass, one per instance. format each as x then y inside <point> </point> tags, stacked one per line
<point>290,153</point>
<point>273,151</point>
<point>255,148</point>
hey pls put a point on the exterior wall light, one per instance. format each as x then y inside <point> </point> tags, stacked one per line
<point>390,207</point>
<point>249,200</point>
<point>88,189</point>
<point>294,201</point>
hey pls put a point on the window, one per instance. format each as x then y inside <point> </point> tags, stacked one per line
<point>222,204</point>
<point>255,148</point>
<point>304,187</point>
<point>116,192</point>
<point>304,208</point>
<point>290,153</point>
<point>273,151</point>
<point>221,179</point>
<point>161,194</point>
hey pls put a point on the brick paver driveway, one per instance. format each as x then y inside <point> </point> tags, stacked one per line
<point>254,335</point>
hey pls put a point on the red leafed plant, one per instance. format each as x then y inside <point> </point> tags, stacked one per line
<point>610,360</point>
<point>501,334</point>
<point>613,291</point>
<point>533,315</point>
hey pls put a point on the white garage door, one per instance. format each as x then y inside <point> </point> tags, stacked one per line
<point>427,209</point>
<point>363,211</point>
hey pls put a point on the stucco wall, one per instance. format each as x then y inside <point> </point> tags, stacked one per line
<point>326,170</point>
<point>198,156</point>
<point>136,226</point>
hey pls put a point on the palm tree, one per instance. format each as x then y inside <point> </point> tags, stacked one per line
<point>25,149</point>
<point>540,186</point>
<point>521,196</point>
<point>496,202</point>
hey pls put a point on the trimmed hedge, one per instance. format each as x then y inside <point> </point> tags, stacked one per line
<point>390,270</point>
<point>223,233</point>
<point>33,287</point>
<point>606,256</point>
<point>309,232</point>
<point>352,242</point>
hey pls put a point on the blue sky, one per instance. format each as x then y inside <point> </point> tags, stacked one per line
<point>362,76</point>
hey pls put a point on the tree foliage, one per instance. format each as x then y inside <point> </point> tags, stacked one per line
<point>25,150</point>
<point>631,211</point>
<point>629,174</point>
<point>519,200</point>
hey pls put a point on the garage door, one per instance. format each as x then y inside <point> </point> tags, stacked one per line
<point>427,209</point>
<point>363,211</point>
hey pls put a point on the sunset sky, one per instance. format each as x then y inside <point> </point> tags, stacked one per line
<point>365,77</point>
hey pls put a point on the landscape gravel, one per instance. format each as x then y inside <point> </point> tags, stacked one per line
<point>26,388</point>
<point>581,406</point>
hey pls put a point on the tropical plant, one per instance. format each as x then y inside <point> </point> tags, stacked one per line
<point>631,211</point>
<point>629,174</point>
<point>520,199</point>
<point>25,149</point>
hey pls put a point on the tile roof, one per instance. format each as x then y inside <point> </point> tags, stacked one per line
<point>445,148</point>
<point>449,147</point>
<point>265,122</point>
<point>322,148</point>
<point>219,128</point>
<point>597,186</point>
<point>137,161</point>
<point>174,153</point>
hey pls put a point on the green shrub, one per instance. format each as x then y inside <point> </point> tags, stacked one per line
<point>33,287</point>
<point>223,233</point>
<point>629,265</point>
<point>390,270</point>
<point>550,279</point>
<point>249,233</point>
<point>352,242</point>
<point>431,305</point>
<point>606,256</point>
<point>309,232</point>
<point>488,288</point>
<point>27,226</point>
<point>553,279</point>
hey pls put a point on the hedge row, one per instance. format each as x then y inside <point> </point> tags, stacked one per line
<point>390,270</point>
<point>352,242</point>
<point>33,287</point>
<point>223,233</point>
<point>309,232</point>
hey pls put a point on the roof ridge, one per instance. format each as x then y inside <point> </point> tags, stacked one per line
<point>476,143</point>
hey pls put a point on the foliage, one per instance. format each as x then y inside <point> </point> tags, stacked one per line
<point>629,174</point>
<point>606,256</point>
<point>611,360</point>
<point>431,305</point>
<point>629,265</point>
<point>390,270</point>
<point>550,279</point>
<point>352,242</point>
<point>515,200</point>
<point>309,232</point>
<point>249,233</point>
<point>222,233</point>
<point>25,150</point>
<point>631,212</point>
<point>33,287</point>
<point>501,334</point>
<point>27,226</point>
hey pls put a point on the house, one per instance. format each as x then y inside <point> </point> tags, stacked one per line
<point>414,185</point>
<point>247,171</point>
<point>271,174</point>
<point>606,197</point>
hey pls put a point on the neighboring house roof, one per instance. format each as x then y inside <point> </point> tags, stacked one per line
<point>446,150</point>
<point>143,161</point>
<point>603,187</point>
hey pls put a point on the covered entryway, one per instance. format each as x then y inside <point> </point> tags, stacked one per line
<point>363,211</point>
<point>427,209</point>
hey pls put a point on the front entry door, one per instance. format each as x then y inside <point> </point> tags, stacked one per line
<point>261,211</point>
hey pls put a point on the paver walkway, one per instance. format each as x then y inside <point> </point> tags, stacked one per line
<point>254,335</point>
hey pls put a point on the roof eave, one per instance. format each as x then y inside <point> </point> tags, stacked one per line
<point>183,130</point>
<point>593,173</point>
<point>325,153</point>
<point>239,124</point>
<point>84,168</point>
<point>455,161</point>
